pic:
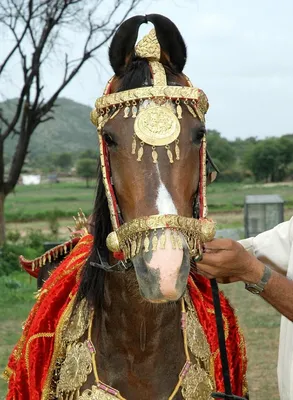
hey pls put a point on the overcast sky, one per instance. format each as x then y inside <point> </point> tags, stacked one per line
<point>239,52</point>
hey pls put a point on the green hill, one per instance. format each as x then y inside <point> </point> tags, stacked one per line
<point>69,131</point>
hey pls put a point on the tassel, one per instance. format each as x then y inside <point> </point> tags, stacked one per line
<point>177,150</point>
<point>169,153</point>
<point>134,109</point>
<point>173,239</point>
<point>163,240</point>
<point>155,241</point>
<point>179,242</point>
<point>133,150</point>
<point>179,109</point>
<point>140,152</point>
<point>154,155</point>
<point>146,244</point>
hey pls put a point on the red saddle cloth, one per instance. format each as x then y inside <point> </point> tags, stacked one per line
<point>31,364</point>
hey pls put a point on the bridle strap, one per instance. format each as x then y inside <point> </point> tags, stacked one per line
<point>120,266</point>
<point>228,395</point>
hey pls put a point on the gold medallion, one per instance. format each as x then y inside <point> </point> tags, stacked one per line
<point>157,126</point>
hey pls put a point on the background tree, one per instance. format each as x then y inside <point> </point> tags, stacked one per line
<point>36,29</point>
<point>64,160</point>
<point>220,150</point>
<point>87,168</point>
<point>270,158</point>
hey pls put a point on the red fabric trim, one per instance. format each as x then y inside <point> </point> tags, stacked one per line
<point>108,178</point>
<point>200,182</point>
<point>27,265</point>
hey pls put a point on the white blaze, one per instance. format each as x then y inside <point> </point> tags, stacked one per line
<point>168,261</point>
<point>164,202</point>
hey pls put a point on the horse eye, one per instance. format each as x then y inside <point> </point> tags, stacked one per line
<point>109,140</point>
<point>197,134</point>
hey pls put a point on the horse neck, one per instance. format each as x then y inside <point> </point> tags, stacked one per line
<point>127,316</point>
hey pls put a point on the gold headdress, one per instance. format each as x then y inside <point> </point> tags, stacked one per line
<point>157,111</point>
<point>156,122</point>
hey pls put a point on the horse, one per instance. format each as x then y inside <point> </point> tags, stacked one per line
<point>126,326</point>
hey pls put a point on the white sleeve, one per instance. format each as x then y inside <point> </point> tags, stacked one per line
<point>272,247</point>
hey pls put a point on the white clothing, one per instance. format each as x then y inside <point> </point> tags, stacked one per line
<point>275,248</point>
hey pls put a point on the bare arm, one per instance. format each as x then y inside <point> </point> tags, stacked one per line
<point>228,261</point>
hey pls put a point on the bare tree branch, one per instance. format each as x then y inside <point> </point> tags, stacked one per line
<point>37,27</point>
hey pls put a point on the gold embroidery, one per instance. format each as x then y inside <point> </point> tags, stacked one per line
<point>78,323</point>
<point>149,47</point>
<point>59,349</point>
<point>36,336</point>
<point>97,394</point>
<point>197,384</point>
<point>75,369</point>
<point>7,373</point>
<point>199,381</point>
<point>197,341</point>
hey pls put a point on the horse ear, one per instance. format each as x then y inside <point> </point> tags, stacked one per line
<point>173,48</point>
<point>122,46</point>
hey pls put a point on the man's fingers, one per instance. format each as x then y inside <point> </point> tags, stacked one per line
<point>210,258</point>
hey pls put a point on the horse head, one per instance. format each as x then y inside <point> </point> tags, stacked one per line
<point>153,157</point>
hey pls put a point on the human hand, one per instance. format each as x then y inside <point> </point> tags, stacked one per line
<point>228,261</point>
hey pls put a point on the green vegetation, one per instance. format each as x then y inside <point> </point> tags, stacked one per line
<point>39,202</point>
<point>16,300</point>
<point>42,202</point>
<point>69,132</point>
<point>86,168</point>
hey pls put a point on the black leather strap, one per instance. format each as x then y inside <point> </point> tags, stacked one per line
<point>120,266</point>
<point>228,395</point>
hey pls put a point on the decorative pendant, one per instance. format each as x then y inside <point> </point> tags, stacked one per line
<point>191,110</point>
<point>177,150</point>
<point>138,245</point>
<point>133,146</point>
<point>146,243</point>
<point>155,241</point>
<point>140,151</point>
<point>179,109</point>
<point>169,154</point>
<point>134,109</point>
<point>163,240</point>
<point>154,155</point>
<point>133,247</point>
<point>127,110</point>
<point>115,112</point>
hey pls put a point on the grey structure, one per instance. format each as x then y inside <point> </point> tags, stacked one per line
<point>262,212</point>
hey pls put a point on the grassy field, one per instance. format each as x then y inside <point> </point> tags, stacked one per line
<point>28,209</point>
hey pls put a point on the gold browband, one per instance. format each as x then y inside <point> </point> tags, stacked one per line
<point>131,236</point>
<point>185,93</point>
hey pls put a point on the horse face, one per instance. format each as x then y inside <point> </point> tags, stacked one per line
<point>145,188</point>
